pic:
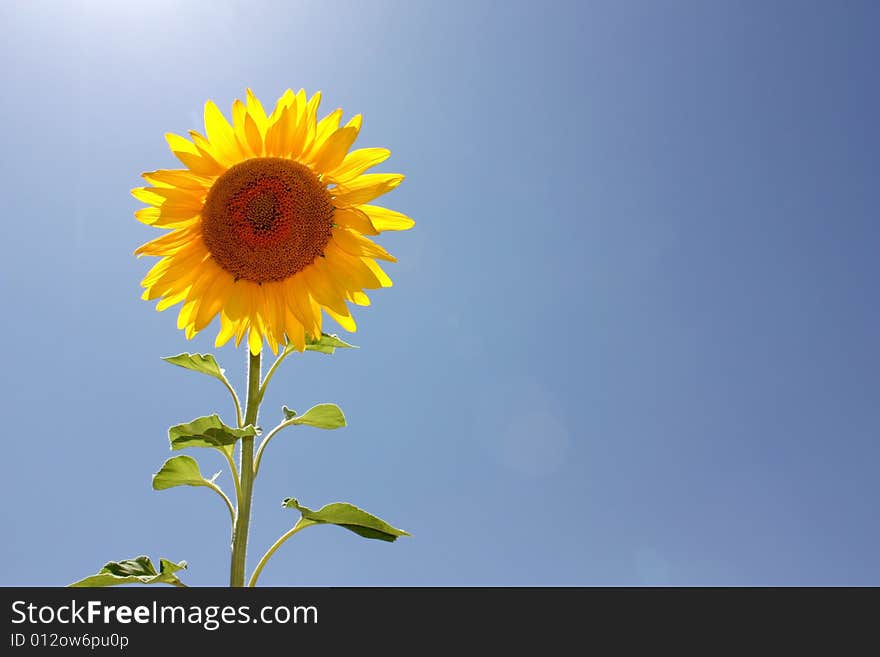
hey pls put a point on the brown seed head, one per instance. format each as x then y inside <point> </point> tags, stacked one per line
<point>266,219</point>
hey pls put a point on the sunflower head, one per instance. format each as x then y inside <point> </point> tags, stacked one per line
<point>267,223</point>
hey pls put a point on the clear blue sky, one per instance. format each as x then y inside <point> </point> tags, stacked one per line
<point>633,338</point>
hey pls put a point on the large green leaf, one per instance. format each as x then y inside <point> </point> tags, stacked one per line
<point>204,363</point>
<point>180,471</point>
<point>348,516</point>
<point>206,431</point>
<point>327,344</point>
<point>139,570</point>
<point>323,416</point>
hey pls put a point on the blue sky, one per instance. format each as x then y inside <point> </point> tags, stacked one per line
<point>633,337</point>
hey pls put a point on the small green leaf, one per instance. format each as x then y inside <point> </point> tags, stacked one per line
<point>288,414</point>
<point>327,344</point>
<point>323,416</point>
<point>204,363</point>
<point>207,432</point>
<point>180,471</point>
<point>348,516</point>
<point>139,570</point>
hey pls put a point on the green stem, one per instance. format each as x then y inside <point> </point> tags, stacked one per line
<point>214,487</point>
<point>235,401</point>
<point>271,551</point>
<point>265,442</point>
<point>234,471</point>
<point>240,535</point>
<point>284,354</point>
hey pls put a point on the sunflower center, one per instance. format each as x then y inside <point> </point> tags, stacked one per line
<point>267,218</point>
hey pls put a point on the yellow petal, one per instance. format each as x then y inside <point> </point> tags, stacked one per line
<point>385,219</point>
<point>239,121</point>
<point>194,159</point>
<point>326,127</point>
<point>171,299</point>
<point>181,274</point>
<point>323,289</point>
<point>234,311</point>
<point>259,321</point>
<point>227,330</point>
<point>298,303</point>
<point>356,162</point>
<point>344,279</point>
<point>237,302</point>
<point>147,216</point>
<point>146,195</point>
<point>255,341</point>
<point>354,218</point>
<point>207,149</point>
<point>169,214</point>
<point>360,298</point>
<point>345,321</point>
<point>194,297</point>
<point>343,287</point>
<point>310,120</point>
<point>168,243</point>
<point>361,275</point>
<point>277,134</point>
<point>241,329</point>
<point>174,217</point>
<point>295,331</point>
<point>300,132</point>
<point>335,287</point>
<point>333,151</point>
<point>275,296</point>
<point>271,315</point>
<point>285,101</point>
<point>377,271</point>
<point>355,122</point>
<point>239,111</point>
<point>188,255</point>
<point>214,297</point>
<point>177,178</point>
<point>256,111</point>
<point>168,196</point>
<point>253,135</point>
<point>221,136</point>
<point>358,245</point>
<point>316,312</point>
<point>365,188</point>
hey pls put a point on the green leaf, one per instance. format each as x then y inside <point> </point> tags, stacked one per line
<point>204,363</point>
<point>180,471</point>
<point>139,570</point>
<point>323,416</point>
<point>327,344</point>
<point>348,516</point>
<point>288,414</point>
<point>207,432</point>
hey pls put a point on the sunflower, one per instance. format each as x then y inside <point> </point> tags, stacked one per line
<point>268,223</point>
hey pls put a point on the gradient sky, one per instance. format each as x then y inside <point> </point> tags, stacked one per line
<point>633,337</point>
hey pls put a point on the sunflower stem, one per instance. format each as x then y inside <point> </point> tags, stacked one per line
<point>234,400</point>
<point>253,580</point>
<point>246,472</point>
<point>284,354</point>
<point>265,442</point>
<point>233,469</point>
